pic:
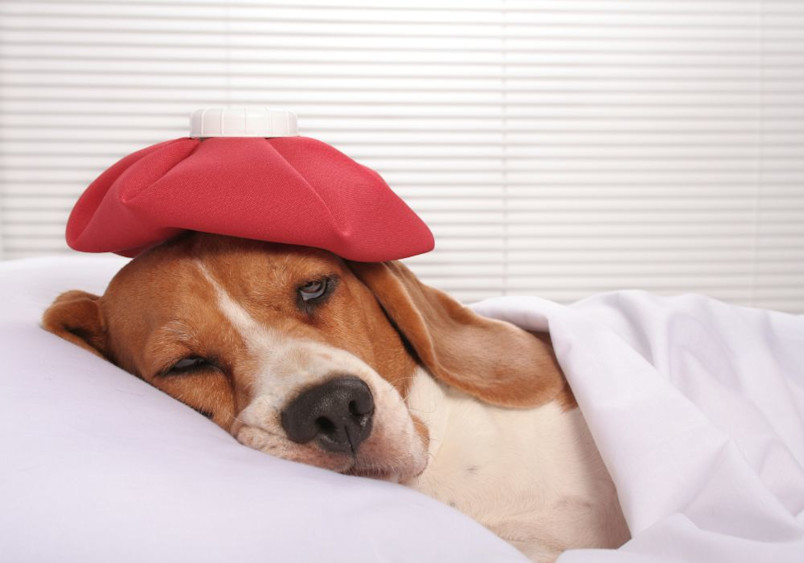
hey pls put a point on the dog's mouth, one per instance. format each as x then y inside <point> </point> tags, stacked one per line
<point>402,469</point>
<point>374,471</point>
<point>363,463</point>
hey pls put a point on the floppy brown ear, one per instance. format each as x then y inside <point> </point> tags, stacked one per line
<point>76,316</point>
<point>486,358</point>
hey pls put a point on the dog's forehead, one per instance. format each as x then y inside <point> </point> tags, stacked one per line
<point>181,281</point>
<point>174,268</point>
<point>265,268</point>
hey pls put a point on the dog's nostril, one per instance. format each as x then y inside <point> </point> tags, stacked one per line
<point>337,414</point>
<point>359,410</point>
<point>325,425</point>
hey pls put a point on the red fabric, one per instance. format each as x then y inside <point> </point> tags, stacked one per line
<point>294,190</point>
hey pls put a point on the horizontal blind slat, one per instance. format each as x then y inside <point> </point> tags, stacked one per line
<point>555,148</point>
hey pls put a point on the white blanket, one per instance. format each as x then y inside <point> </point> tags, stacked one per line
<point>697,408</point>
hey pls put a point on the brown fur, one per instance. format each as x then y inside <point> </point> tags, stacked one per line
<point>491,360</point>
<point>76,316</point>
<point>155,312</point>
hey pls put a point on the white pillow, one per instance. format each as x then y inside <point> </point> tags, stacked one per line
<point>99,466</point>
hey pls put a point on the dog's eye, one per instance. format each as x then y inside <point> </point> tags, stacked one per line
<point>189,365</point>
<point>313,290</point>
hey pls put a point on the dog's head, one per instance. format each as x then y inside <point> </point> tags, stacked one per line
<point>299,353</point>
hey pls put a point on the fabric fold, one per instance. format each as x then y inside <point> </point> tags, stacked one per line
<point>695,407</point>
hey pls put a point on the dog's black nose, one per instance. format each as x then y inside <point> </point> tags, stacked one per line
<point>337,414</point>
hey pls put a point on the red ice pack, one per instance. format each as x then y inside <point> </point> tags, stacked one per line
<point>246,173</point>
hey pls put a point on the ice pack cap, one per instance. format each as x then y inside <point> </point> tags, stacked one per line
<point>246,172</point>
<point>243,122</point>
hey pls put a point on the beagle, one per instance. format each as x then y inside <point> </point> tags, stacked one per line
<point>362,369</point>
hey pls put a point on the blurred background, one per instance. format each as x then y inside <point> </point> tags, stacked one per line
<point>557,148</point>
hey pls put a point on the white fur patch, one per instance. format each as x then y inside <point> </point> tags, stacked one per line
<point>533,476</point>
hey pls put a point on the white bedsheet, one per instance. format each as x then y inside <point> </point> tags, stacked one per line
<point>697,408</point>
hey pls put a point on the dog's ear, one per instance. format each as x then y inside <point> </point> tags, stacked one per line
<point>492,360</point>
<point>76,316</point>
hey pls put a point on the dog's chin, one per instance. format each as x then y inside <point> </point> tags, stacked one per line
<point>375,473</point>
<point>398,470</point>
<point>399,473</point>
<point>360,466</point>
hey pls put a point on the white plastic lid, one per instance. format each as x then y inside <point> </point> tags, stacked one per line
<point>243,122</point>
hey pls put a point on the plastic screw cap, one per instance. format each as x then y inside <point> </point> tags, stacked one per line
<point>243,122</point>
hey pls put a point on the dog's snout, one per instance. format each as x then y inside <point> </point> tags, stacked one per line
<point>337,414</point>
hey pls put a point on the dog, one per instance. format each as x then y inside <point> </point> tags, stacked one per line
<point>361,369</point>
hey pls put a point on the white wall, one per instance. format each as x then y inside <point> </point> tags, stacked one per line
<point>557,148</point>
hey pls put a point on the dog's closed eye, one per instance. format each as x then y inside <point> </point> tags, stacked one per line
<point>190,364</point>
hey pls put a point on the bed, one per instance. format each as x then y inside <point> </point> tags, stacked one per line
<point>696,406</point>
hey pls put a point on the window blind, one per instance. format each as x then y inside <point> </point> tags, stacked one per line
<point>557,148</point>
